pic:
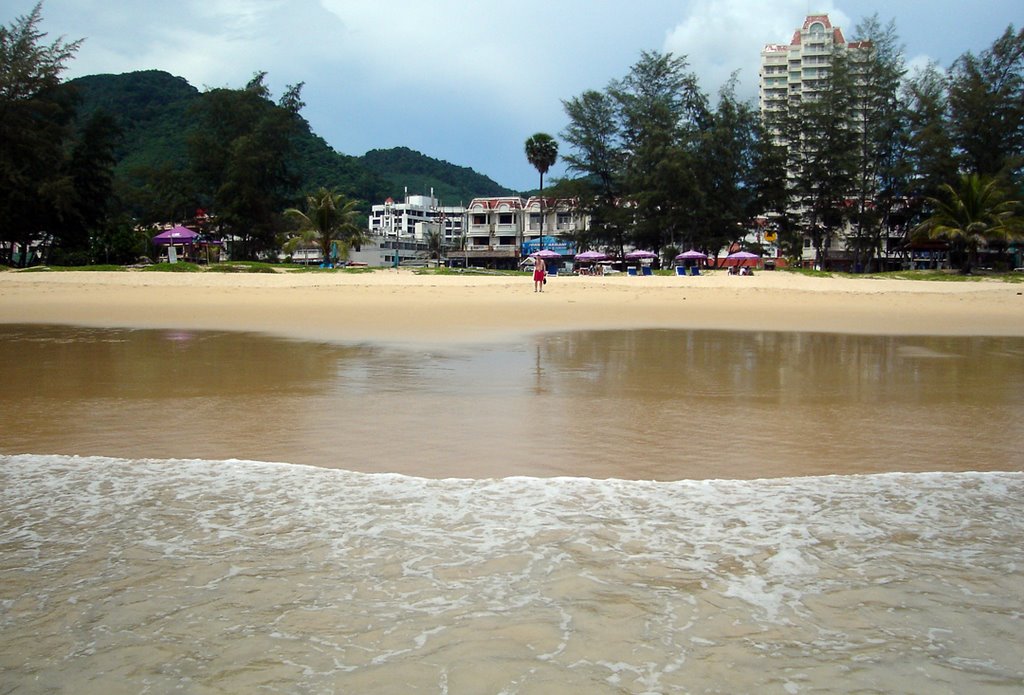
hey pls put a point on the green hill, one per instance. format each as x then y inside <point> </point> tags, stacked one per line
<point>453,185</point>
<point>151,108</point>
<point>154,111</point>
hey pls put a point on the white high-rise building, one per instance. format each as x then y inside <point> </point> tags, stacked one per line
<point>795,71</point>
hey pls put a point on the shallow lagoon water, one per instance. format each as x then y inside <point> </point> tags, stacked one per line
<point>661,405</point>
<point>155,560</point>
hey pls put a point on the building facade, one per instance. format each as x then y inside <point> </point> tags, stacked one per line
<point>503,230</point>
<point>793,72</point>
<point>492,232</point>
<point>398,231</point>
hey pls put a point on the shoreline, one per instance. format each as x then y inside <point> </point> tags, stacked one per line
<point>399,306</point>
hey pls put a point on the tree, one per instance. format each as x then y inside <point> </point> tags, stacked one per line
<point>661,110</point>
<point>769,190</point>
<point>594,132</point>
<point>929,140</point>
<point>89,170</point>
<point>327,221</point>
<point>434,238</point>
<point>723,171</point>
<point>36,114</point>
<point>822,147</point>
<point>241,152</point>
<point>986,98</point>
<point>878,121</point>
<point>542,153</point>
<point>978,210</point>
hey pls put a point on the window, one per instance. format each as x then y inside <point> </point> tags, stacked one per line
<point>479,220</point>
<point>505,218</point>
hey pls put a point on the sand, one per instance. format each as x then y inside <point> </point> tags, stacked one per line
<point>399,306</point>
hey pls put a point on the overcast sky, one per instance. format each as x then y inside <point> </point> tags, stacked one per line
<point>470,81</point>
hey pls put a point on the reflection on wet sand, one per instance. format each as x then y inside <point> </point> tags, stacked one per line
<point>658,404</point>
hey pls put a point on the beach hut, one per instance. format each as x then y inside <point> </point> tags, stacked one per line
<point>173,238</point>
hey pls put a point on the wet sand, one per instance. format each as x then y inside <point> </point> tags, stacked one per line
<point>400,306</point>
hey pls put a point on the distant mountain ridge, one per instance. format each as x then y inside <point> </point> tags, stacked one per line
<point>153,109</point>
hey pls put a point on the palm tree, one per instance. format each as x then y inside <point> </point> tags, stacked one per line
<point>542,153</point>
<point>971,214</point>
<point>435,245</point>
<point>328,221</point>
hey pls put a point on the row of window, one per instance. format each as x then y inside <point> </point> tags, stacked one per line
<point>563,219</point>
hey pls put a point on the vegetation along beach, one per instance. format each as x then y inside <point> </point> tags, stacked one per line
<point>732,402</point>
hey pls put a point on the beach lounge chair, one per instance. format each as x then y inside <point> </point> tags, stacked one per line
<point>647,270</point>
<point>631,271</point>
<point>695,270</point>
<point>680,270</point>
<point>553,271</point>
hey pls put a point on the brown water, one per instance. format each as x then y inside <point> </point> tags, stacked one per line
<point>172,570</point>
<point>661,405</point>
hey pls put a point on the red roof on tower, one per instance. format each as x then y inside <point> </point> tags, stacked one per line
<point>812,18</point>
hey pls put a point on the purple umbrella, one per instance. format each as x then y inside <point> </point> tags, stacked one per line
<point>591,256</point>
<point>177,235</point>
<point>545,253</point>
<point>690,255</point>
<point>742,255</point>
<point>741,258</point>
<point>637,255</point>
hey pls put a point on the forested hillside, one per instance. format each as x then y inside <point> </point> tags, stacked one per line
<point>405,168</point>
<point>157,115</point>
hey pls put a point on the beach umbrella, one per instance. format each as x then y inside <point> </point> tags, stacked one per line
<point>545,253</point>
<point>590,256</point>
<point>741,256</point>
<point>691,255</point>
<point>640,255</point>
<point>176,235</point>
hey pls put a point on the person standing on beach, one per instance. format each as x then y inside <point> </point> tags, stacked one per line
<point>539,271</point>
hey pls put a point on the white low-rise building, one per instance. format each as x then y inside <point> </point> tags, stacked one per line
<point>400,230</point>
<point>490,232</point>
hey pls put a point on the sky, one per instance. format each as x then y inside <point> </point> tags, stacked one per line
<point>469,81</point>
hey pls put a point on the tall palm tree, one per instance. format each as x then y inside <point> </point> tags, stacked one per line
<point>974,212</point>
<point>328,220</point>
<point>542,153</point>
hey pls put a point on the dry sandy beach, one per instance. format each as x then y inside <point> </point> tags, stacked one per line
<point>401,306</point>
